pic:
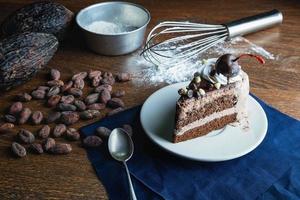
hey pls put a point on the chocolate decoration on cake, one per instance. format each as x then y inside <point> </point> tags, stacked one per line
<point>190,93</point>
<point>228,66</point>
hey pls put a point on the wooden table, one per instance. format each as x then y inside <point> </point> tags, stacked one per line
<point>71,176</point>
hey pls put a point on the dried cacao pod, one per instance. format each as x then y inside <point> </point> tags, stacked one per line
<point>43,17</point>
<point>21,56</point>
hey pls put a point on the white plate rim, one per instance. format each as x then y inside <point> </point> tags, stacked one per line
<point>237,155</point>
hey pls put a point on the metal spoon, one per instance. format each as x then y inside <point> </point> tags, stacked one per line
<point>120,147</point>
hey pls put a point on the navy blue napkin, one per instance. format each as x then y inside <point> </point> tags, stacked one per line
<point>271,171</point>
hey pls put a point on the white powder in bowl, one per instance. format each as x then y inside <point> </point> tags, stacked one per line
<point>105,27</point>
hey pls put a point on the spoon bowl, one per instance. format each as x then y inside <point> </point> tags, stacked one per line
<point>120,145</point>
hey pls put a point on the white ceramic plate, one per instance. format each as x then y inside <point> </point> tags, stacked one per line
<point>157,119</point>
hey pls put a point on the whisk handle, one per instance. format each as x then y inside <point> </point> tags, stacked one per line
<point>254,23</point>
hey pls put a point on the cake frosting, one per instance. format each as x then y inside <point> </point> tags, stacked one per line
<point>206,70</point>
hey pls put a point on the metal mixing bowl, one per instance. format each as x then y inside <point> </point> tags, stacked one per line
<point>128,14</point>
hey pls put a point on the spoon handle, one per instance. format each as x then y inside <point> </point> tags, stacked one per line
<point>132,193</point>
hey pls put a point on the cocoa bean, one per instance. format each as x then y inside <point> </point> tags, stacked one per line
<point>67,99</point>
<point>86,115</point>
<point>24,97</point>
<point>115,111</point>
<point>103,87</point>
<point>54,74</point>
<point>107,74</point>
<point>53,100</point>
<point>36,148</point>
<point>108,80</point>
<point>38,94</point>
<point>37,117</point>
<point>96,81</point>
<point>69,117</point>
<point>89,114</point>
<point>44,88</point>
<point>18,149</point>
<point>123,77</point>
<point>75,91</point>
<point>94,73</point>
<point>44,132</point>
<point>72,134</point>
<point>59,130</point>
<point>103,132</point>
<point>55,83</point>
<point>5,127</point>
<point>15,108</point>
<point>67,86</point>
<point>53,91</point>
<point>78,83</point>
<point>92,98</point>
<point>66,107</point>
<point>61,148</point>
<point>128,129</point>
<point>80,105</point>
<point>115,103</point>
<point>92,141</point>
<point>104,96</point>
<point>22,55</point>
<point>96,106</point>
<point>26,136</point>
<point>48,144</point>
<point>118,93</point>
<point>24,115</point>
<point>10,118</point>
<point>42,17</point>
<point>53,117</point>
<point>80,75</point>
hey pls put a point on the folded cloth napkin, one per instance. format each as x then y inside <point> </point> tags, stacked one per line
<point>271,171</point>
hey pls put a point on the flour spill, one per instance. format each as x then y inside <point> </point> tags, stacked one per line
<point>151,74</point>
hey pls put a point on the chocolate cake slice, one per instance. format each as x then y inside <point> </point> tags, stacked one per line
<point>216,96</point>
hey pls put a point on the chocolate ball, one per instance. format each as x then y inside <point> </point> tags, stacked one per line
<point>227,65</point>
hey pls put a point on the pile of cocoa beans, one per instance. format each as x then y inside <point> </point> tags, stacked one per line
<point>68,105</point>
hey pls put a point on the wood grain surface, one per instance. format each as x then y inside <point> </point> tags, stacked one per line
<point>72,176</point>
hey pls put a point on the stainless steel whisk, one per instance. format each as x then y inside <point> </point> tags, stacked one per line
<point>172,42</point>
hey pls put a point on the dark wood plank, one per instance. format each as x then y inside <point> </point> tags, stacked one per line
<point>71,176</point>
